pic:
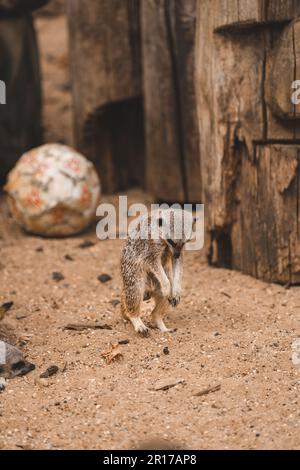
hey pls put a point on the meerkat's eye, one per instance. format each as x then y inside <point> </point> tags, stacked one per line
<point>173,244</point>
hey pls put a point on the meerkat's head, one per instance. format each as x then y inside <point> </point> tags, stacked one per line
<point>176,228</point>
<point>12,362</point>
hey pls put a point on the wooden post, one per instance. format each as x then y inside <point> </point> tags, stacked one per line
<point>172,139</point>
<point>247,58</point>
<point>107,89</point>
<point>20,117</point>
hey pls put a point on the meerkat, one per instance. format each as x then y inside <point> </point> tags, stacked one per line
<point>151,267</point>
<point>12,362</point>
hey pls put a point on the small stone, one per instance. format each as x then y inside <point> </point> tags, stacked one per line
<point>20,316</point>
<point>86,244</point>
<point>115,302</point>
<point>40,249</point>
<point>104,278</point>
<point>52,370</point>
<point>57,277</point>
<point>166,350</point>
<point>166,384</point>
<point>124,342</point>
<point>69,258</point>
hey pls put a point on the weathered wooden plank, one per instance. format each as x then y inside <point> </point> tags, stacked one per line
<point>185,33</point>
<point>19,7</point>
<point>106,66</point>
<point>249,11</point>
<point>237,14</point>
<point>281,70</point>
<point>229,74</point>
<point>266,228</point>
<point>250,185</point>
<point>114,141</point>
<point>281,10</point>
<point>20,118</point>
<point>285,65</point>
<point>104,38</point>
<point>172,168</point>
<point>296,42</point>
<point>163,171</point>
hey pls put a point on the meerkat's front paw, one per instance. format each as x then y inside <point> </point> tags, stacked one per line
<point>175,300</point>
<point>139,326</point>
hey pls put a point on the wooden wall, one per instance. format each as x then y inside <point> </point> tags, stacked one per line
<point>192,100</point>
<point>247,58</point>
<point>134,93</point>
<point>20,117</point>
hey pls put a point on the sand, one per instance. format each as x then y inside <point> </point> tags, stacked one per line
<point>232,347</point>
<point>234,333</point>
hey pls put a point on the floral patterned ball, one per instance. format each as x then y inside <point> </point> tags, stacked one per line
<point>53,191</point>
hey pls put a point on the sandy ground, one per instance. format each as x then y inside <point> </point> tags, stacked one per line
<point>232,331</point>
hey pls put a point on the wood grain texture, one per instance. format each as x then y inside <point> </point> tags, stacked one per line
<point>239,14</point>
<point>281,10</point>
<point>106,70</point>
<point>172,140</point>
<point>104,38</point>
<point>20,118</point>
<point>285,69</point>
<point>231,106</point>
<point>250,178</point>
<point>265,234</point>
<point>19,7</point>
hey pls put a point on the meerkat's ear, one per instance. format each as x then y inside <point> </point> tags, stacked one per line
<point>195,220</point>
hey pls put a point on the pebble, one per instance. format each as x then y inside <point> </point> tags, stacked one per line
<point>56,276</point>
<point>165,384</point>
<point>104,278</point>
<point>86,244</point>
<point>52,370</point>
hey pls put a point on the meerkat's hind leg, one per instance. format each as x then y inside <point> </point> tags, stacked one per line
<point>161,307</point>
<point>131,307</point>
